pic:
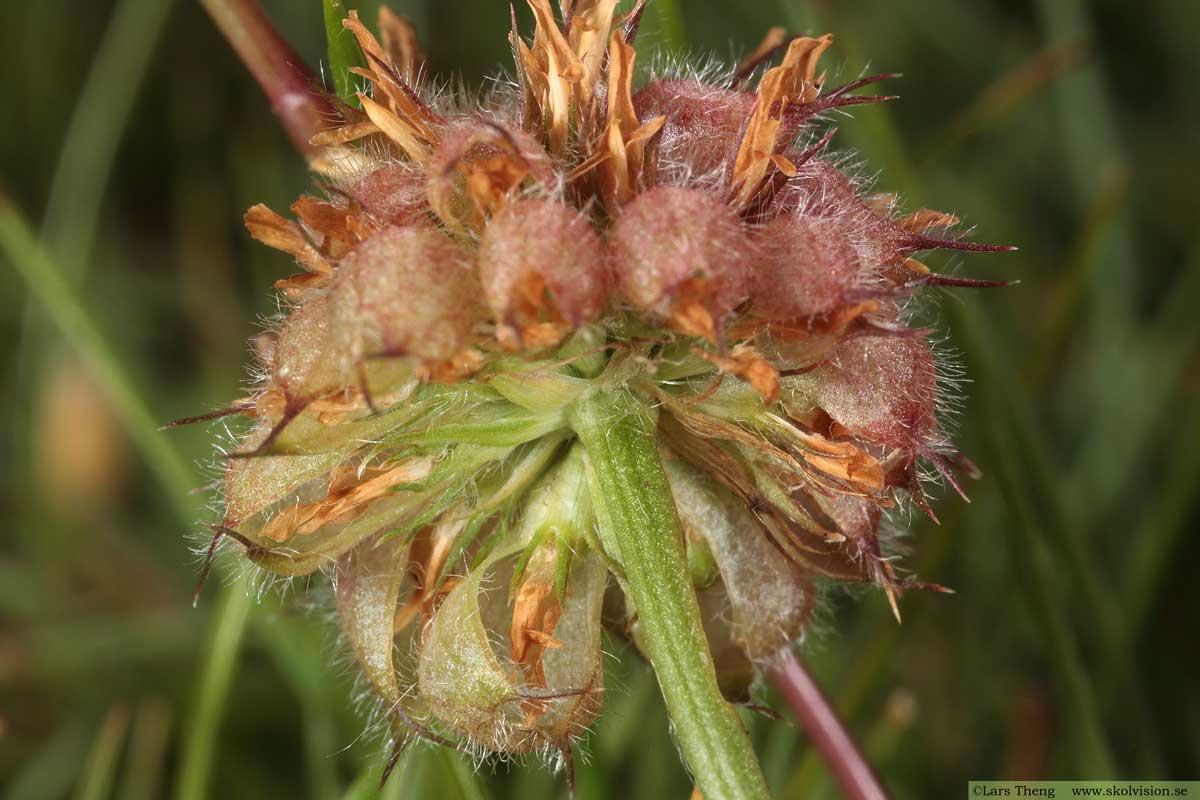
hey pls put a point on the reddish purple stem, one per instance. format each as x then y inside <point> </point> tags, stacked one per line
<point>288,84</point>
<point>826,732</point>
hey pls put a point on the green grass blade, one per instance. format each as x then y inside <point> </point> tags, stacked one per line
<point>100,768</point>
<point>342,50</point>
<point>668,24</point>
<point>300,655</point>
<point>45,279</point>
<point>97,126</point>
<point>149,744</point>
<point>52,769</point>
<point>1039,569</point>
<point>216,677</point>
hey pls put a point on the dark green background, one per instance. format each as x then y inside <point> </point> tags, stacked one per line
<point>1069,128</point>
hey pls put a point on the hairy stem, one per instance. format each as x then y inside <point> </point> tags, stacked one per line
<point>638,521</point>
<point>818,719</point>
<point>284,78</point>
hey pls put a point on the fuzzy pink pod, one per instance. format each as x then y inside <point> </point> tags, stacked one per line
<point>882,388</point>
<point>394,194</point>
<point>303,364</point>
<point>822,190</point>
<point>702,121</point>
<point>405,291</point>
<point>671,235</point>
<point>546,241</point>
<point>804,266</point>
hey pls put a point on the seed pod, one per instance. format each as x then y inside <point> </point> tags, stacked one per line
<point>538,247</point>
<point>515,677</point>
<point>804,267</point>
<point>820,189</point>
<point>468,683</point>
<point>883,388</point>
<point>404,291</point>
<point>368,582</point>
<point>681,254</point>
<point>303,361</point>
<point>394,194</point>
<point>702,123</point>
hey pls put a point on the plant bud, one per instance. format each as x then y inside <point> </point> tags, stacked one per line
<point>681,254</point>
<point>405,291</point>
<point>538,249</point>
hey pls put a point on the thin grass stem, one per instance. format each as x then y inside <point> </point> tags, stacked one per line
<point>825,730</point>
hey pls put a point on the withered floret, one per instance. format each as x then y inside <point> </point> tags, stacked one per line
<point>477,164</point>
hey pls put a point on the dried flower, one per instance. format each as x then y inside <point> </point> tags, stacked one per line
<point>487,280</point>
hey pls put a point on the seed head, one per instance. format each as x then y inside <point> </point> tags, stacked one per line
<point>479,267</point>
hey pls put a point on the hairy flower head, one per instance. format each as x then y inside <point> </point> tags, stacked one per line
<point>478,266</point>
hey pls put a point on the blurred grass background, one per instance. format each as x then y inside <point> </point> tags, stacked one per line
<point>132,142</point>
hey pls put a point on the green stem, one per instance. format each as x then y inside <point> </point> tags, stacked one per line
<point>638,521</point>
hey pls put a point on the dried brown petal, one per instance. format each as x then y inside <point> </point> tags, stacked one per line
<point>792,81</point>
<point>401,45</point>
<point>274,231</point>
<point>621,174</point>
<point>748,365</point>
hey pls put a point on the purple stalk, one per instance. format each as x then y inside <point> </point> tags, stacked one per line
<point>284,78</point>
<point>826,732</point>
